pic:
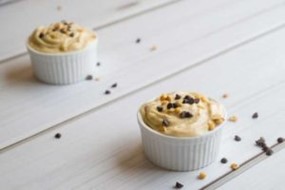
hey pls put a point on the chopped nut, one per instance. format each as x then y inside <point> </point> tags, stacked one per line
<point>233,119</point>
<point>211,125</point>
<point>202,175</point>
<point>163,97</point>
<point>177,110</point>
<point>218,121</point>
<point>153,48</point>
<point>234,166</point>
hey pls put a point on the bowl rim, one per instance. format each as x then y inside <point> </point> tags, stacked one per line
<point>90,45</point>
<point>150,130</point>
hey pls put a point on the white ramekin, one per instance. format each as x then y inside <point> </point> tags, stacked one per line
<point>180,153</point>
<point>64,68</point>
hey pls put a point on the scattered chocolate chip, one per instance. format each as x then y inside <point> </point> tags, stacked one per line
<point>57,135</point>
<point>107,92</point>
<point>159,108</point>
<point>265,148</point>
<point>114,85</point>
<point>255,115</point>
<point>177,97</point>
<point>178,185</point>
<point>260,142</point>
<point>224,160</point>
<point>41,35</point>
<point>280,140</point>
<point>71,35</point>
<point>196,100</point>
<point>98,64</point>
<point>59,8</point>
<point>269,152</point>
<point>225,96</point>
<point>89,77</point>
<point>165,122</point>
<point>237,138</point>
<point>169,106</point>
<point>185,114</point>
<point>138,40</point>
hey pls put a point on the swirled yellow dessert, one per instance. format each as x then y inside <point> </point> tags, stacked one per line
<point>183,114</point>
<point>61,37</point>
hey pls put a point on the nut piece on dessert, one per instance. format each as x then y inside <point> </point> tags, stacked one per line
<point>183,114</point>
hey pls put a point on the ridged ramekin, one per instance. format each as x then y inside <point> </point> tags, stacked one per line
<point>180,153</point>
<point>64,68</point>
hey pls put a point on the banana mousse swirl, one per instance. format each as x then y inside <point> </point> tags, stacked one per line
<point>61,37</point>
<point>183,114</point>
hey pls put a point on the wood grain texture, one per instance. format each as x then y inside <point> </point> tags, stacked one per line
<point>129,64</point>
<point>102,150</point>
<point>21,18</point>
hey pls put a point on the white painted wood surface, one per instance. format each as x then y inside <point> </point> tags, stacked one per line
<point>215,47</point>
<point>263,176</point>
<point>122,60</point>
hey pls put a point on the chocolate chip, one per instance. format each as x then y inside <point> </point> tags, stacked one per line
<point>41,35</point>
<point>138,40</point>
<point>280,140</point>
<point>178,185</point>
<point>71,35</point>
<point>174,105</point>
<point>64,22</point>
<point>224,160</point>
<point>255,115</point>
<point>269,152</point>
<point>114,85</point>
<point>177,97</point>
<point>196,100</point>
<point>89,77</point>
<point>159,108</point>
<point>165,122</point>
<point>57,135</point>
<point>185,114</point>
<point>98,64</point>
<point>188,101</point>
<point>237,138</point>
<point>265,148</point>
<point>260,142</point>
<point>62,31</point>
<point>169,105</point>
<point>107,92</point>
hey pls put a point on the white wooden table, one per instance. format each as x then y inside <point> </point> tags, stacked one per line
<point>215,47</point>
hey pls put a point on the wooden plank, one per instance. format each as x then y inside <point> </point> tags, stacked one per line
<point>22,17</point>
<point>268,174</point>
<point>103,149</point>
<point>20,91</point>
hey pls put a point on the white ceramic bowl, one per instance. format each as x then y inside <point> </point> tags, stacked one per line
<point>180,153</point>
<point>64,68</point>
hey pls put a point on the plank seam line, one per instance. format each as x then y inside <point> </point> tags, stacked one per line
<point>100,27</point>
<point>182,70</point>
<point>9,3</point>
<point>243,167</point>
